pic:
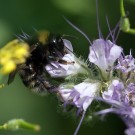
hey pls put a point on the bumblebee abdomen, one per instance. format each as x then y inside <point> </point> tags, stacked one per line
<point>35,82</point>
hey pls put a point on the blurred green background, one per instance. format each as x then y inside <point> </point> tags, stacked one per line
<point>16,101</point>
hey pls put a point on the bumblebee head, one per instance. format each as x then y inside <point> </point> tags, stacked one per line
<point>56,45</point>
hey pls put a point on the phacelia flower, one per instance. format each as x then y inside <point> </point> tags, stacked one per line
<point>89,83</point>
<point>104,53</point>
<point>117,91</point>
<point>15,52</point>
<point>73,67</point>
<point>80,95</point>
<point>114,92</point>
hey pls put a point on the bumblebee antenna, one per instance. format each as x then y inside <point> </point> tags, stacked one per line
<point>65,35</point>
<point>35,30</point>
<point>80,31</point>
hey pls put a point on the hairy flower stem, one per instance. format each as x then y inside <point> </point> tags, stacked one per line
<point>131,31</point>
<point>89,72</point>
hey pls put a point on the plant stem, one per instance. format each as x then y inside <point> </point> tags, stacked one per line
<point>125,23</point>
<point>122,10</point>
<point>131,31</point>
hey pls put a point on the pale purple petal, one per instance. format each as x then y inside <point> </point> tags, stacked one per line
<point>63,70</point>
<point>130,131</point>
<point>104,53</point>
<point>81,95</point>
<point>114,91</point>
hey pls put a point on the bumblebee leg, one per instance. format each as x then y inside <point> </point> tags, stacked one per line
<point>61,60</point>
<point>44,85</point>
<point>65,62</point>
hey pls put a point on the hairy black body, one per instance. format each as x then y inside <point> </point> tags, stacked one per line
<point>44,48</point>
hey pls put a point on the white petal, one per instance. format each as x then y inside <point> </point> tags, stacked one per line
<point>114,53</point>
<point>97,54</point>
<point>68,45</point>
<point>63,70</point>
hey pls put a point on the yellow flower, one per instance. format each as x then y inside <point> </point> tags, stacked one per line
<point>2,85</point>
<point>14,53</point>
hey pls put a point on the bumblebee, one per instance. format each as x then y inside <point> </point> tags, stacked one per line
<point>44,48</point>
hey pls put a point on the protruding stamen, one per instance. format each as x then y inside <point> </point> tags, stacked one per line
<point>75,27</point>
<point>78,127</point>
<point>99,30</point>
<point>110,30</point>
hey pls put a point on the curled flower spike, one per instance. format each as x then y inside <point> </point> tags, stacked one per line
<point>126,67</point>
<point>126,63</point>
<point>15,52</point>
<point>122,99</point>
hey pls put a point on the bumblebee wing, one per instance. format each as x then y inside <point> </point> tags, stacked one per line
<point>11,77</point>
<point>32,48</point>
<point>12,74</point>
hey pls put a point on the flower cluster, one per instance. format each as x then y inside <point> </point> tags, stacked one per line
<point>82,86</point>
<point>121,92</point>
